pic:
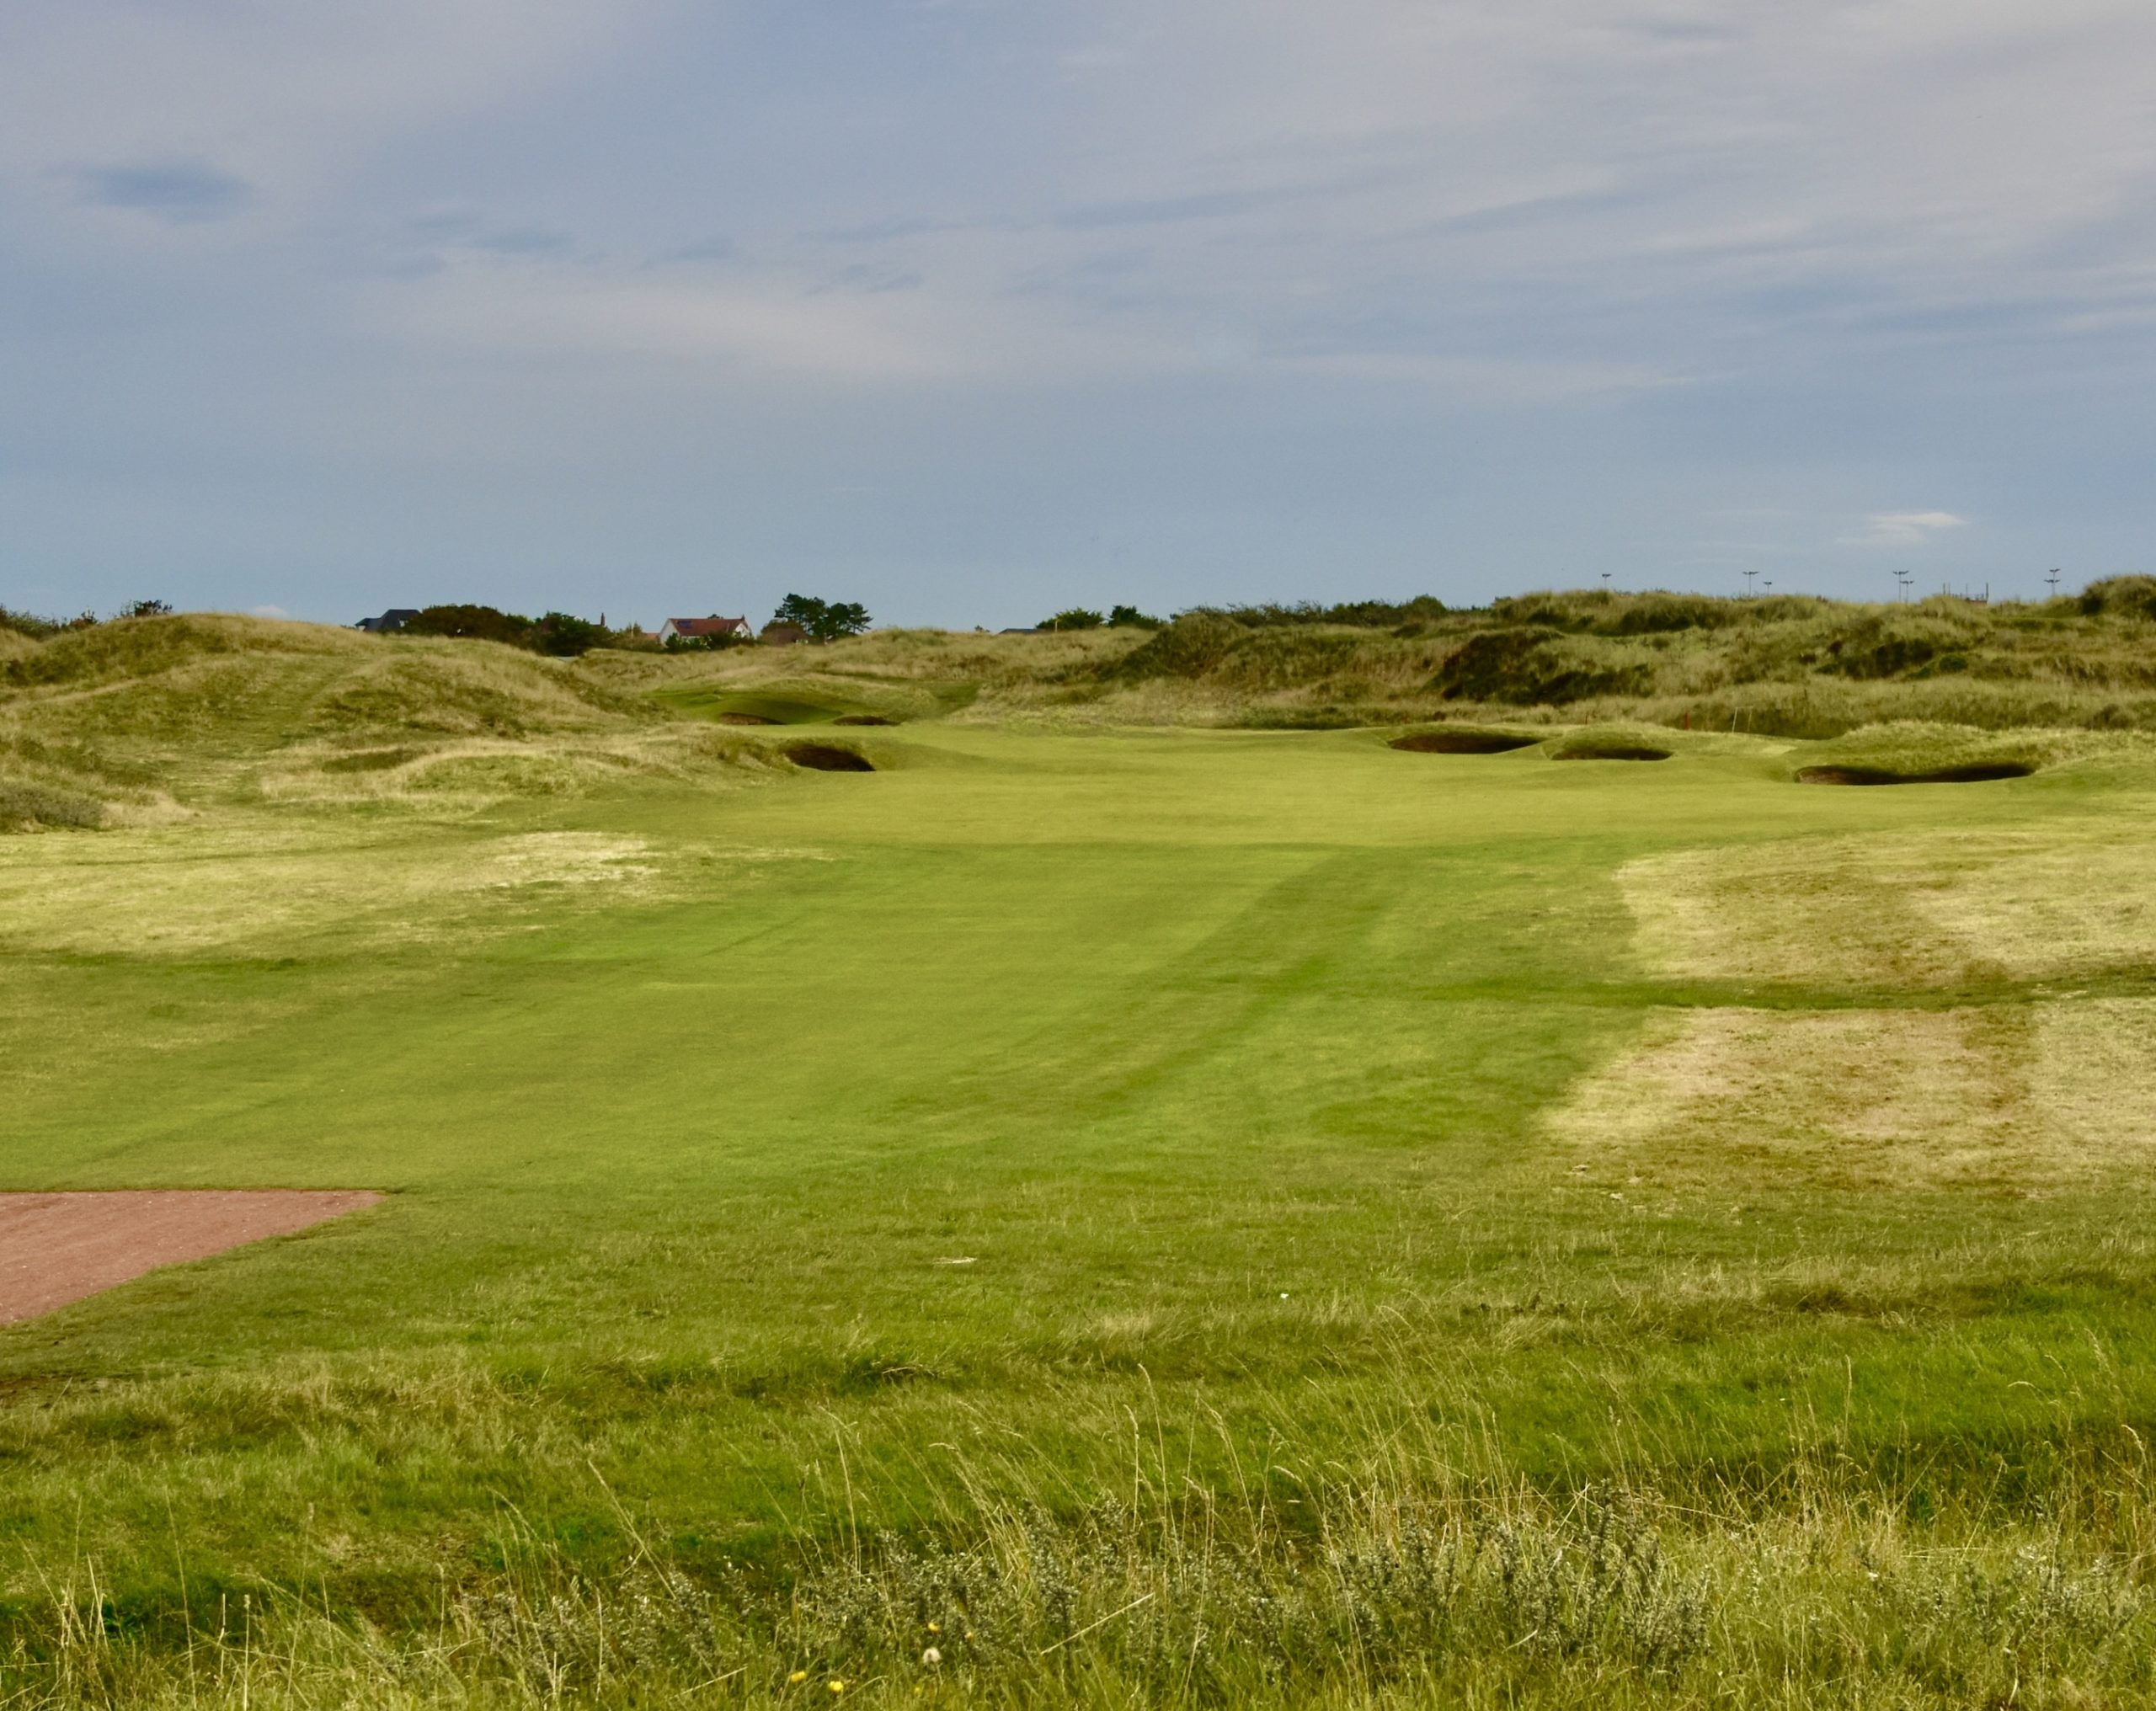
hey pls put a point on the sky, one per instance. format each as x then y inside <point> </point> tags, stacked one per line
<point>972,309</point>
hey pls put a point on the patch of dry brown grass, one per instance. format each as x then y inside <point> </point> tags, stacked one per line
<point>2025,1093</point>
<point>160,892</point>
<point>2008,1096</point>
<point>1905,909</point>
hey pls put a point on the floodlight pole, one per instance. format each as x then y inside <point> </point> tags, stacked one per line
<point>2053,580</point>
<point>1748,575</point>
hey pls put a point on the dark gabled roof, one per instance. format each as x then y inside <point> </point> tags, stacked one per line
<point>396,618</point>
<point>712,625</point>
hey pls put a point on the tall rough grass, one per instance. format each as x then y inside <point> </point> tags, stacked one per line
<point>209,708</point>
<point>1794,667</point>
<point>1426,1587</point>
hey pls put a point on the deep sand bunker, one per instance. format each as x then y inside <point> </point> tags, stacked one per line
<point>1983,772</point>
<point>827,757</point>
<point>1462,742</point>
<point>58,1248</point>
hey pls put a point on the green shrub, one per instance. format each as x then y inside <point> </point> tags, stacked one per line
<point>1523,669</point>
<point>38,629</point>
<point>1362,615</point>
<point>24,807</point>
<point>473,623</point>
<point>2121,596</point>
<point>822,620</point>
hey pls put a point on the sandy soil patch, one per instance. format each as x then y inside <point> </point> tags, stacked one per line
<point>58,1248</point>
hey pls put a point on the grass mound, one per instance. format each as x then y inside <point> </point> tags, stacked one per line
<point>731,706</point>
<point>1462,741</point>
<point>138,649</point>
<point>238,708</point>
<point>1620,744</point>
<point>1905,752</point>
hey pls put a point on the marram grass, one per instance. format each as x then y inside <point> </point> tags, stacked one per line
<point>1416,1589</point>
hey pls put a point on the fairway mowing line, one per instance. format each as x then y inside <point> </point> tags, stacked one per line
<point>57,1248</point>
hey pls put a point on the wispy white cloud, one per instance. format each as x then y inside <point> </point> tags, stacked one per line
<point>1905,528</point>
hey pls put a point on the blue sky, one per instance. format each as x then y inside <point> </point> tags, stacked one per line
<point>970,309</point>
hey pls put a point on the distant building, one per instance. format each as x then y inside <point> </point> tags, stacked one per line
<point>396,618</point>
<point>711,629</point>
<point>782,635</point>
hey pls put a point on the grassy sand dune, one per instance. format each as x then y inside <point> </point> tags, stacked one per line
<point>1793,667</point>
<point>128,719</point>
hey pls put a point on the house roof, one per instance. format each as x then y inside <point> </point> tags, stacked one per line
<point>712,625</point>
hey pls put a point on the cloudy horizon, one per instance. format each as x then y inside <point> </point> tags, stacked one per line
<point>968,312</point>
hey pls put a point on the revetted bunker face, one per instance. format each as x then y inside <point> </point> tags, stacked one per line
<point>1610,751</point>
<point>1983,772</point>
<point>864,719</point>
<point>827,757</point>
<point>1462,742</point>
<point>744,719</point>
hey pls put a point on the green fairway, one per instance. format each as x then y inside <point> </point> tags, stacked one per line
<point>838,1165</point>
